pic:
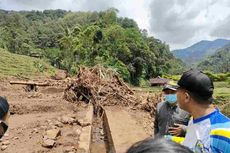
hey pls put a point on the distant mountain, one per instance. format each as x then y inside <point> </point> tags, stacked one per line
<point>199,51</point>
<point>218,62</point>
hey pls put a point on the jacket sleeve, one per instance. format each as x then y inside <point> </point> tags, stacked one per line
<point>186,117</point>
<point>156,129</point>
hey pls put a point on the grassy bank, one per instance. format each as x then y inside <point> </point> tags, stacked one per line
<point>22,66</point>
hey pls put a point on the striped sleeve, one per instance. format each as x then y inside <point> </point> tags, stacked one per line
<point>220,140</point>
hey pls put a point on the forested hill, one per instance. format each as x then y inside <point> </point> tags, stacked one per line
<point>199,51</point>
<point>219,62</point>
<point>70,39</point>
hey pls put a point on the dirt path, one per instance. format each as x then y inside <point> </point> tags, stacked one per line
<point>33,113</point>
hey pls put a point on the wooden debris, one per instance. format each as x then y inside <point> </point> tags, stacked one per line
<point>101,87</point>
<point>150,104</point>
<point>29,83</point>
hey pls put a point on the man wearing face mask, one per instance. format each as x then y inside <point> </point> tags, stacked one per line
<point>169,118</point>
<point>4,114</point>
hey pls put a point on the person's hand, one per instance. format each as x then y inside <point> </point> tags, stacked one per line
<point>177,130</point>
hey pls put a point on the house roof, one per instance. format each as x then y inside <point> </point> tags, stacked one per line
<point>158,80</point>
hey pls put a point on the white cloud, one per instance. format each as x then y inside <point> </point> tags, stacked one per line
<point>182,23</point>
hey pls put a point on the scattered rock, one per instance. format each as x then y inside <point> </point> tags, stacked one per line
<point>43,127</point>
<point>48,143</point>
<point>58,124</point>
<point>53,127</point>
<point>102,132</point>
<point>82,123</point>
<point>50,123</point>
<point>53,134</point>
<point>67,120</point>
<point>69,149</point>
<point>4,147</point>
<point>78,131</point>
<point>6,135</point>
<point>35,131</point>
<point>6,143</point>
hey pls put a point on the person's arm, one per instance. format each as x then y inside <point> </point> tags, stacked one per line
<point>178,130</point>
<point>220,140</point>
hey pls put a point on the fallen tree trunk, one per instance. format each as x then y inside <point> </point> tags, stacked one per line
<point>29,83</point>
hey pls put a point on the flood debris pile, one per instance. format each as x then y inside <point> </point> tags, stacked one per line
<point>100,86</point>
<point>103,87</point>
<point>150,103</point>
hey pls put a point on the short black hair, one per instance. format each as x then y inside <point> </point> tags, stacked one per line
<point>157,145</point>
<point>201,100</point>
<point>4,107</point>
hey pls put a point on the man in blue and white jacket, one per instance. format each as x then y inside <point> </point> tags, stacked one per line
<point>209,129</point>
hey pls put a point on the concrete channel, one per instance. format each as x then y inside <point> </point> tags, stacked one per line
<point>113,131</point>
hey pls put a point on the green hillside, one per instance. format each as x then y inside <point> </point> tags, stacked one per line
<point>219,62</point>
<point>199,51</point>
<point>72,39</point>
<point>22,66</point>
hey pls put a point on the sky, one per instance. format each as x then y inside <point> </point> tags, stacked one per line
<point>179,23</point>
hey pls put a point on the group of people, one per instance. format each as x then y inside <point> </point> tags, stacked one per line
<point>187,121</point>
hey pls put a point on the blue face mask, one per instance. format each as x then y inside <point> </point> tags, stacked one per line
<point>171,98</point>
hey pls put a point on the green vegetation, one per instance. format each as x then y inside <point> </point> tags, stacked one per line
<point>71,39</point>
<point>172,77</point>
<point>222,96</point>
<point>23,66</point>
<point>217,63</point>
<point>218,76</point>
<point>199,51</point>
<point>222,92</point>
<point>226,109</point>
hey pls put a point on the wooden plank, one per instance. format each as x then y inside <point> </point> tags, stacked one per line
<point>29,83</point>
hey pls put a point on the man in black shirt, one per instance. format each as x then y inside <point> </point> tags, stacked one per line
<point>170,119</point>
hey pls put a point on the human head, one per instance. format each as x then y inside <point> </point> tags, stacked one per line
<point>169,91</point>
<point>195,87</point>
<point>157,145</point>
<point>4,111</point>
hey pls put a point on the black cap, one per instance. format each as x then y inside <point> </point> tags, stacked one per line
<point>171,85</point>
<point>4,107</point>
<point>198,83</point>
